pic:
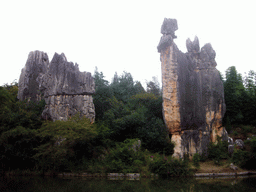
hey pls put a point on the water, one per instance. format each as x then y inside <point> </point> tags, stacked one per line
<point>49,184</point>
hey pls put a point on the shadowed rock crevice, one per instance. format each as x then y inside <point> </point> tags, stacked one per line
<point>66,90</point>
<point>193,93</point>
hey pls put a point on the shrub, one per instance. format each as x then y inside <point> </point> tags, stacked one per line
<point>235,133</point>
<point>218,151</point>
<point>123,158</point>
<point>196,160</point>
<point>168,166</point>
<point>240,157</point>
<point>16,145</point>
<point>246,159</point>
<point>60,138</point>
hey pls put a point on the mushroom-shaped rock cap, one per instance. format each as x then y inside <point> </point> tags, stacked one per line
<point>193,46</point>
<point>169,26</point>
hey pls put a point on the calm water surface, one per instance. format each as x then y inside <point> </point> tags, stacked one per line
<point>49,184</point>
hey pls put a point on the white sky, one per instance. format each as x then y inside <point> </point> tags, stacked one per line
<point>119,36</point>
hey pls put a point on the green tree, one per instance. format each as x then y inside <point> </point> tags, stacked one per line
<point>249,98</point>
<point>234,91</point>
<point>17,148</point>
<point>153,86</point>
<point>15,113</point>
<point>59,139</point>
<point>250,83</point>
<point>140,117</point>
<point>124,87</point>
<point>102,94</point>
<point>138,88</point>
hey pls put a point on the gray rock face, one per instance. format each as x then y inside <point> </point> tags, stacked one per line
<point>36,66</point>
<point>136,145</point>
<point>230,141</point>
<point>66,90</point>
<point>61,107</point>
<point>193,46</point>
<point>230,149</point>
<point>232,166</point>
<point>239,143</point>
<point>64,78</point>
<point>193,93</point>
<point>169,27</point>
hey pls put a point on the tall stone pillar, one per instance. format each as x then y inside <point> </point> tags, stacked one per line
<point>193,94</point>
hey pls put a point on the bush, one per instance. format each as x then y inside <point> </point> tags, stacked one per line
<point>59,139</point>
<point>124,158</point>
<point>240,157</point>
<point>246,159</point>
<point>196,160</point>
<point>168,166</point>
<point>17,145</point>
<point>235,133</point>
<point>219,151</point>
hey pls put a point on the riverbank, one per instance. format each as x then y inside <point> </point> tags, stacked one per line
<point>205,169</point>
<point>131,175</point>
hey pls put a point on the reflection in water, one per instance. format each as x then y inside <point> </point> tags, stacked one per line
<point>49,184</point>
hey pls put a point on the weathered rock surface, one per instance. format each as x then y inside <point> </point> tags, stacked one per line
<point>232,166</point>
<point>36,66</point>
<point>61,107</point>
<point>230,149</point>
<point>239,143</point>
<point>193,93</point>
<point>66,90</point>
<point>64,78</point>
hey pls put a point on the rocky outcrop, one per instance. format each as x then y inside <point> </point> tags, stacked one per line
<point>66,90</point>
<point>64,78</point>
<point>193,94</point>
<point>36,66</point>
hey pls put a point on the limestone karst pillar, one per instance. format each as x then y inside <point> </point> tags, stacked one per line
<point>193,94</point>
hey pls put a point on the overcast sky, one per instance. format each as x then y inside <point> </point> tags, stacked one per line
<point>119,36</point>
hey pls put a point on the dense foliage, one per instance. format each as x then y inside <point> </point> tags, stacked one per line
<point>131,112</point>
<point>240,98</point>
<point>246,158</point>
<point>168,166</point>
<point>218,151</point>
<point>126,113</point>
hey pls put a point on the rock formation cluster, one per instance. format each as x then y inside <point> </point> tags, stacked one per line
<point>66,90</point>
<point>193,93</point>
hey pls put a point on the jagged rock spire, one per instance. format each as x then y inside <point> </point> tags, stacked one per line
<point>193,46</point>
